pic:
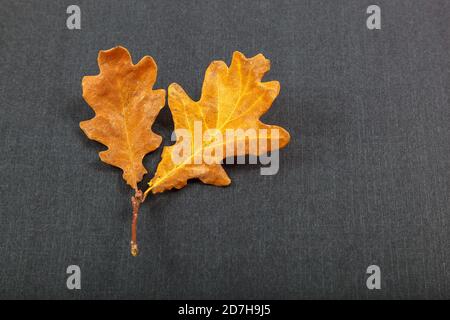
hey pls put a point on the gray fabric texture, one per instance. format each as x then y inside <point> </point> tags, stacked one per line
<point>365,179</point>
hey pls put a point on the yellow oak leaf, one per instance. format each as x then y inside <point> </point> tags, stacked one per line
<point>125,108</point>
<point>233,98</point>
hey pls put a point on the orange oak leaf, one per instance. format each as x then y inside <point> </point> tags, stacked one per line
<point>232,98</point>
<point>125,108</point>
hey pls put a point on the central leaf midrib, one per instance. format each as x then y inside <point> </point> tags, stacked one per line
<point>130,150</point>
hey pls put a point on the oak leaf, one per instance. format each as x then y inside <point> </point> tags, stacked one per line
<point>232,98</point>
<point>125,108</point>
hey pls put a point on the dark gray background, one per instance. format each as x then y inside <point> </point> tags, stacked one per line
<point>365,179</point>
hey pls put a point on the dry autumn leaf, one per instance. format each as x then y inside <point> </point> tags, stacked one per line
<point>232,98</point>
<point>125,108</point>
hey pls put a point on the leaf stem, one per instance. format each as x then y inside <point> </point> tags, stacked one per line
<point>146,193</point>
<point>136,201</point>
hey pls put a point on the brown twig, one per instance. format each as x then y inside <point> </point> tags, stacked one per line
<point>136,201</point>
